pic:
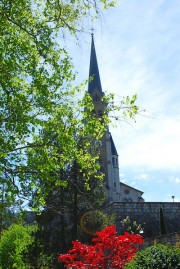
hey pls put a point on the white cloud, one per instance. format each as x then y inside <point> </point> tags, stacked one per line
<point>156,145</point>
<point>175,180</point>
<point>142,177</point>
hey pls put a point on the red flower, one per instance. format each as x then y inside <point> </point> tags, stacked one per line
<point>109,251</point>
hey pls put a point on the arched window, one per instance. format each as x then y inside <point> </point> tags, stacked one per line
<point>100,113</point>
<point>96,98</point>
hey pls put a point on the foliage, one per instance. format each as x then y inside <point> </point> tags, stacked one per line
<point>41,117</point>
<point>36,94</point>
<point>60,219</point>
<point>8,213</point>
<point>177,240</point>
<point>108,251</point>
<point>14,246</point>
<point>95,221</point>
<point>157,256</point>
<point>130,226</point>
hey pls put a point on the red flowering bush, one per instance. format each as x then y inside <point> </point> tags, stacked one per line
<point>108,251</point>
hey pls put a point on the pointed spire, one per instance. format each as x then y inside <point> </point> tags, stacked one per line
<point>94,76</point>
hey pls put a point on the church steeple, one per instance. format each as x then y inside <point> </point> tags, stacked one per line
<point>94,77</point>
<point>108,154</point>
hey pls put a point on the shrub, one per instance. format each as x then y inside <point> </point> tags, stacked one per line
<point>130,226</point>
<point>156,257</point>
<point>95,221</point>
<point>108,251</point>
<point>14,244</point>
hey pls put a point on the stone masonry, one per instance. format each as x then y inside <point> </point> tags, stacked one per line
<point>147,214</point>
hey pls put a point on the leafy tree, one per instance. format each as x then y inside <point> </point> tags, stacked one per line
<point>157,256</point>
<point>108,251</point>
<point>41,118</point>
<point>35,88</point>
<point>14,246</point>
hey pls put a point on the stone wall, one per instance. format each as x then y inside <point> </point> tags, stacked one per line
<point>173,239</point>
<point>147,214</point>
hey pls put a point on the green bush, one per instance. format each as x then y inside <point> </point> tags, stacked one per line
<point>14,246</point>
<point>95,221</point>
<point>156,257</point>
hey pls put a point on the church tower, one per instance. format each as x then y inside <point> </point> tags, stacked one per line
<point>108,153</point>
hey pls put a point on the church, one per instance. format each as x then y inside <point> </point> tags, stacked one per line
<point>124,200</point>
<point>116,191</point>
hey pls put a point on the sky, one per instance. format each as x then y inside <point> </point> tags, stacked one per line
<point>138,51</point>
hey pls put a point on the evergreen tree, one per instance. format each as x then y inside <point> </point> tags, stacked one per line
<point>163,229</point>
<point>65,206</point>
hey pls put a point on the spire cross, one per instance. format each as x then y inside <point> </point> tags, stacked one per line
<point>92,31</point>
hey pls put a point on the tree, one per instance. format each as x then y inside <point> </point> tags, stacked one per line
<point>14,246</point>
<point>163,229</point>
<point>62,219</point>
<point>108,251</point>
<point>37,97</point>
<point>35,90</point>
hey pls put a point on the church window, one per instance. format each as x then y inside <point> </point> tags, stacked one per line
<point>102,169</point>
<point>126,191</point>
<point>96,98</point>
<point>100,113</point>
<point>113,161</point>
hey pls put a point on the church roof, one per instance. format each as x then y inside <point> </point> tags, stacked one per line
<point>129,187</point>
<point>94,77</point>
<point>113,148</point>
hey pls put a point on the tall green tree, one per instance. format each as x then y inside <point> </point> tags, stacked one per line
<point>41,118</point>
<point>35,86</point>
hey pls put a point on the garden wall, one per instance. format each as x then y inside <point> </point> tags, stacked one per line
<point>173,239</point>
<point>147,214</point>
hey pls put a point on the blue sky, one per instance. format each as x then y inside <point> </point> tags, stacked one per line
<point>138,50</point>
